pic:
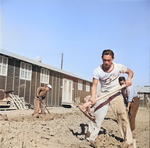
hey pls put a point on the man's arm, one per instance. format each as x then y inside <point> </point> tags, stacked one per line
<point>130,75</point>
<point>130,93</point>
<point>39,89</point>
<point>127,109</point>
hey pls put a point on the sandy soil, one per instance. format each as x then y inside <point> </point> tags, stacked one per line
<point>65,128</point>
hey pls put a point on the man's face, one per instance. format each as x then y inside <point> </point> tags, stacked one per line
<point>47,88</point>
<point>122,82</point>
<point>107,61</point>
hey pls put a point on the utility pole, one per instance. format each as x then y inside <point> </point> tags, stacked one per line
<point>61,60</point>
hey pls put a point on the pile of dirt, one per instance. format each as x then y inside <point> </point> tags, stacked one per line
<point>67,130</point>
<point>3,117</point>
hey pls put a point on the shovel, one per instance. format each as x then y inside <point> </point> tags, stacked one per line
<point>43,105</point>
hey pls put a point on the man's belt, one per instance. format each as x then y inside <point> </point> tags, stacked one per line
<point>41,97</point>
<point>107,101</point>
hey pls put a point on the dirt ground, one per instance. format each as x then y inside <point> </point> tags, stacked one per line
<point>66,128</point>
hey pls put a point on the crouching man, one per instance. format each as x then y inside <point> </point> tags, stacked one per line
<point>40,100</point>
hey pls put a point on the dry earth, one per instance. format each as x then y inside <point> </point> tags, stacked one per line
<point>66,128</point>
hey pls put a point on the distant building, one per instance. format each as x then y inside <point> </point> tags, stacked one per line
<point>24,75</point>
<point>143,93</point>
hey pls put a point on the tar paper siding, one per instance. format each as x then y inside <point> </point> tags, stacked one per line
<point>27,89</point>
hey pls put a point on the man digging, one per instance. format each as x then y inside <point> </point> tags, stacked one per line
<point>40,100</point>
<point>108,74</point>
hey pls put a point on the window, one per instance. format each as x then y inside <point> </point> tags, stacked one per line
<point>3,65</point>
<point>80,85</point>
<point>25,71</point>
<point>44,77</point>
<point>87,87</point>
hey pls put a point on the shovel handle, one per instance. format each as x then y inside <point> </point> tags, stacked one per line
<point>109,93</point>
<point>44,105</point>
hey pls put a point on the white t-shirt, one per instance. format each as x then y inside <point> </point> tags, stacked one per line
<point>109,81</point>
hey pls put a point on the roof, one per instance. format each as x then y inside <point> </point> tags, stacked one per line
<point>22,58</point>
<point>145,89</point>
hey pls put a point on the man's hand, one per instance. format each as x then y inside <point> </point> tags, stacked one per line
<point>128,82</point>
<point>92,101</point>
<point>127,109</point>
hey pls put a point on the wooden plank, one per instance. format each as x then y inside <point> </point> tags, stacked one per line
<point>4,105</point>
<point>2,102</point>
<point>134,143</point>
<point>16,101</point>
<point>5,109</point>
<point>12,104</point>
<point>21,102</point>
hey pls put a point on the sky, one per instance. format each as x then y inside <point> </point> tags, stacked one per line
<point>81,30</point>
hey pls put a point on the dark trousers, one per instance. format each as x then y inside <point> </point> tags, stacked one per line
<point>132,112</point>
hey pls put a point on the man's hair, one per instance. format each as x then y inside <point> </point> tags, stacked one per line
<point>122,79</point>
<point>108,52</point>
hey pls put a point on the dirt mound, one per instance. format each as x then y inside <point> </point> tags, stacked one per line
<point>66,130</point>
<point>3,117</point>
